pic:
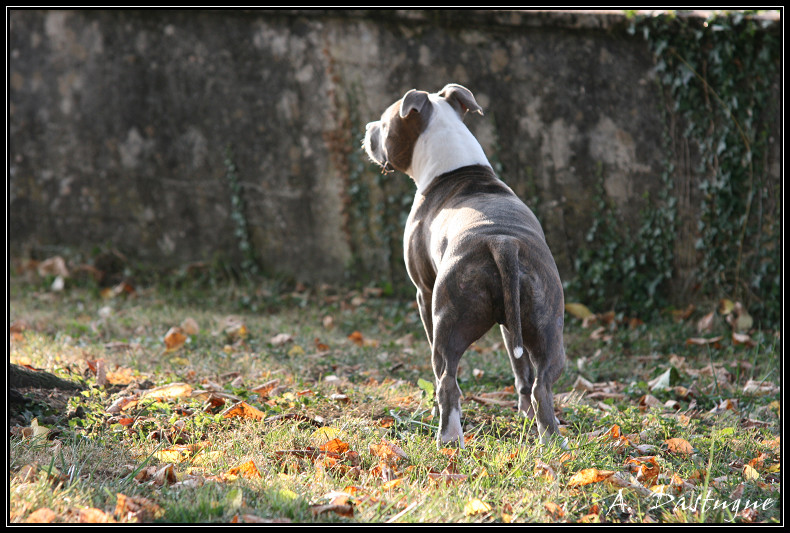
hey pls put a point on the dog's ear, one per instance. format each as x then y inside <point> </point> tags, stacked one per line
<point>460,98</point>
<point>413,100</point>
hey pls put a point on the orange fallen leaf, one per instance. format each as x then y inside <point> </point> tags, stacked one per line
<point>44,515</point>
<point>679,446</point>
<point>645,468</point>
<point>247,470</point>
<point>388,451</point>
<point>357,338</point>
<point>136,507</point>
<point>544,470</point>
<point>165,475</point>
<point>391,484</point>
<point>554,510</point>
<point>320,346</point>
<point>345,510</point>
<point>174,339</point>
<point>335,446</point>
<point>386,422</point>
<point>266,388</point>
<point>588,476</point>
<point>243,410</point>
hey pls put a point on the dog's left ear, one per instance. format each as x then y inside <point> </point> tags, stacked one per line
<point>413,100</point>
<point>460,98</point>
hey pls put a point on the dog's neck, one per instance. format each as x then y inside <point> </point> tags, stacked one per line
<point>445,145</point>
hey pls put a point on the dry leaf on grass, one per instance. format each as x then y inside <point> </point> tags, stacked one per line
<point>678,446</point>
<point>44,515</point>
<point>174,339</point>
<point>588,476</point>
<point>168,392</point>
<point>476,506</point>
<point>247,470</point>
<point>243,410</point>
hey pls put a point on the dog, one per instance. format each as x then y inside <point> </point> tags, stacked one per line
<point>475,252</point>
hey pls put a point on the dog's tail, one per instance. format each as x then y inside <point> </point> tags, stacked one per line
<point>505,252</point>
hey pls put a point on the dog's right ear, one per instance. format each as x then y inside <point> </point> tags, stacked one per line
<point>413,100</point>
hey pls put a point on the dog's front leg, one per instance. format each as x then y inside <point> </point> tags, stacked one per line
<point>448,397</point>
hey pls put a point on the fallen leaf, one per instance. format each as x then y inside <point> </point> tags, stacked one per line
<point>679,446</point>
<point>759,388</point>
<point>175,454</point>
<point>53,266</point>
<point>325,434</point>
<point>388,485</point>
<point>296,351</point>
<point>235,329</point>
<point>34,431</point>
<point>544,470</point>
<point>583,385</point>
<point>645,469</point>
<point>247,470</point>
<point>726,306</point>
<point>167,392</point>
<point>345,510</point>
<point>705,324</point>
<point>749,473</point>
<point>475,507</point>
<point>588,476</point>
<point>388,451</point>
<point>174,339</point>
<point>665,380</point>
<point>740,320</point>
<point>703,341</point>
<point>554,510</point>
<point>190,326</point>
<point>129,508</point>
<point>165,476</point>
<point>742,339</point>
<point>357,338</point>
<point>243,410</point>
<point>266,388</point>
<point>44,515</point>
<point>335,446</point>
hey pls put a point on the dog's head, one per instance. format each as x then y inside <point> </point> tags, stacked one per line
<point>390,141</point>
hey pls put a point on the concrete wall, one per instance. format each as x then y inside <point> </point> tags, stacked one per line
<point>119,123</point>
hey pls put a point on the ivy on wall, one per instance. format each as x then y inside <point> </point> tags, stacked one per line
<point>718,75</point>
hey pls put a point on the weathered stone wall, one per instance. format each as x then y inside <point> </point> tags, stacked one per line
<point>119,123</point>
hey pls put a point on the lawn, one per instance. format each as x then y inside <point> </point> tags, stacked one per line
<point>272,402</point>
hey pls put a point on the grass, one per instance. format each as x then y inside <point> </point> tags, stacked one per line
<point>346,434</point>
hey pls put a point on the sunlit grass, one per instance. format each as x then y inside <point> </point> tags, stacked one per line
<point>350,362</point>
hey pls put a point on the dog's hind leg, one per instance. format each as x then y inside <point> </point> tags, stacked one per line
<point>548,358</point>
<point>522,370</point>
